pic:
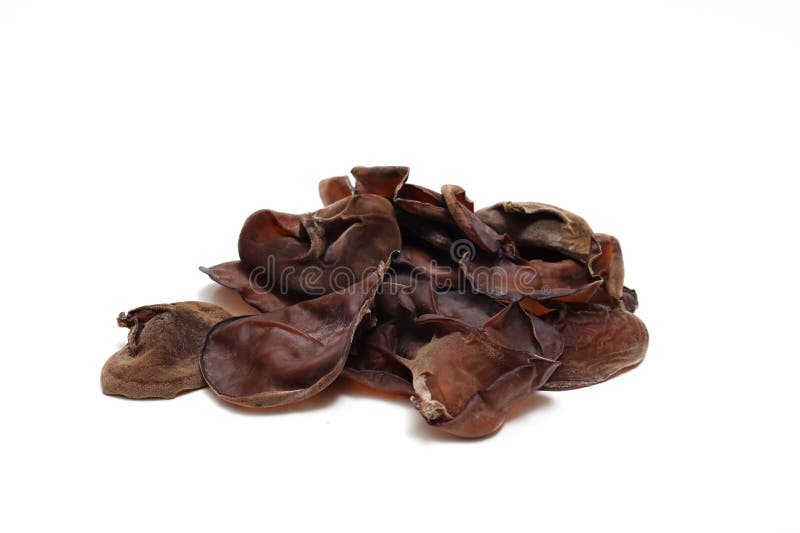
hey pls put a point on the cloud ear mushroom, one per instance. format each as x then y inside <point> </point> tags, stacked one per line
<point>162,356</point>
<point>286,258</point>
<point>535,225</point>
<point>290,354</point>
<point>599,343</point>
<point>466,378</point>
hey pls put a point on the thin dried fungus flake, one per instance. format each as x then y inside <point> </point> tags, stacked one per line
<point>599,343</point>
<point>162,355</point>
<point>287,355</point>
<point>287,258</point>
<point>543,226</point>
<point>466,379</point>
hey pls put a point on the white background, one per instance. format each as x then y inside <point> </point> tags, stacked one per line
<point>135,137</point>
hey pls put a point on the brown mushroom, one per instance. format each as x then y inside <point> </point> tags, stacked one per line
<point>162,356</point>
<point>287,355</point>
<point>466,379</point>
<point>599,343</point>
<point>533,225</point>
<point>288,258</point>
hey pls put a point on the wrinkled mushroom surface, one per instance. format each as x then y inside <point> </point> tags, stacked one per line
<point>286,258</point>
<point>465,378</point>
<point>599,343</point>
<point>162,355</point>
<point>534,225</point>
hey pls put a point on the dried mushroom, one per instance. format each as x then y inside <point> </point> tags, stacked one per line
<point>533,225</point>
<point>599,343</point>
<point>466,379</point>
<point>162,356</point>
<point>287,258</point>
<point>287,355</point>
<point>405,300</point>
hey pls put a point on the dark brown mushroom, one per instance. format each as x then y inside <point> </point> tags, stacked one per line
<point>404,298</point>
<point>162,356</point>
<point>287,258</point>
<point>290,354</point>
<point>556,258</point>
<point>466,379</point>
<point>599,343</point>
<point>533,225</point>
<point>465,357</point>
